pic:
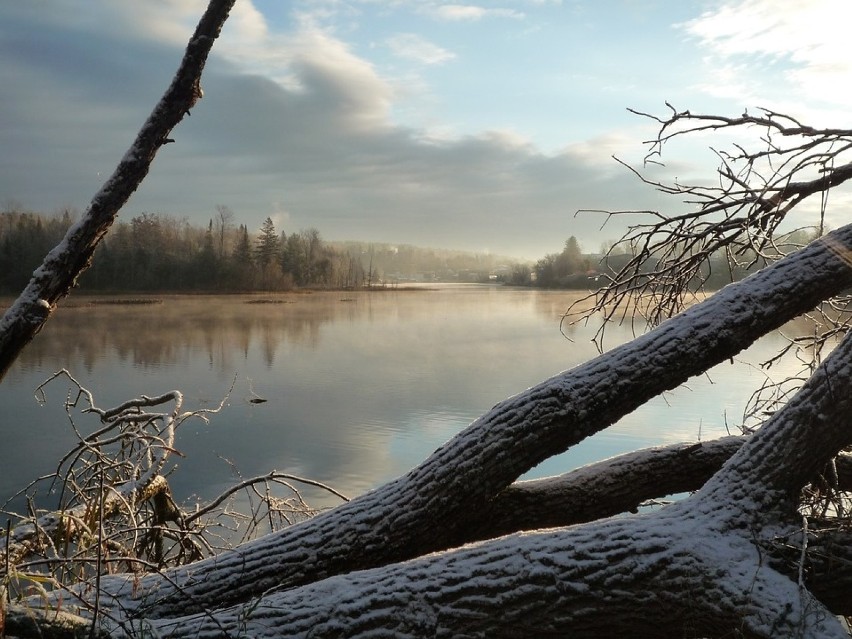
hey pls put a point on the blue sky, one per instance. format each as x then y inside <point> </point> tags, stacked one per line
<point>479,126</point>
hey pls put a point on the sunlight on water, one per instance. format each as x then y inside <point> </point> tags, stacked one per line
<point>360,387</point>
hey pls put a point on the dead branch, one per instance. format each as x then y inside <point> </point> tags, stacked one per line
<point>738,218</point>
<point>58,274</point>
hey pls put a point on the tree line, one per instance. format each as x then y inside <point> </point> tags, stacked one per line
<point>573,269</point>
<point>570,268</point>
<point>394,263</point>
<point>156,251</point>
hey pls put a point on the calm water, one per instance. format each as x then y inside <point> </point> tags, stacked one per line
<point>360,386</point>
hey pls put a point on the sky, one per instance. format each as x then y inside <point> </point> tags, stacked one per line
<point>482,126</point>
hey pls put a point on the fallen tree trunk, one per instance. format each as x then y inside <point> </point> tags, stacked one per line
<point>637,577</point>
<point>621,485</point>
<point>603,489</point>
<point>433,506</point>
<point>695,568</point>
<point>468,592</point>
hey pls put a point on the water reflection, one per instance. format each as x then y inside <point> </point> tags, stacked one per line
<point>360,386</point>
<point>166,334</point>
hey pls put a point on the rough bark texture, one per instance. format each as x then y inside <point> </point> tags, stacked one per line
<point>603,489</point>
<point>58,274</point>
<point>646,576</point>
<point>431,507</point>
<point>617,485</point>
<point>464,590</point>
<point>696,568</point>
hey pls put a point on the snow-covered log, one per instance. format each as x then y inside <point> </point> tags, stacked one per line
<point>696,568</point>
<point>433,506</point>
<point>603,489</point>
<point>618,485</point>
<point>672,574</point>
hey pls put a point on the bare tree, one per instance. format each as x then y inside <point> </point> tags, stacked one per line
<point>740,214</point>
<point>224,222</point>
<point>738,217</point>
<point>754,552</point>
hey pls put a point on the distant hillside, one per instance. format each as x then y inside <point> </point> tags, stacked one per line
<point>392,263</point>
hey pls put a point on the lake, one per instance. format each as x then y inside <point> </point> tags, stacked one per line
<point>360,386</point>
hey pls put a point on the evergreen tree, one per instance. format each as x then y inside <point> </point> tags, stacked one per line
<point>267,246</point>
<point>242,249</point>
<point>267,255</point>
<point>565,269</point>
<point>572,256</point>
<point>292,258</point>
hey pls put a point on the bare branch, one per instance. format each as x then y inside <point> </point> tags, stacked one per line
<point>58,274</point>
<point>740,217</point>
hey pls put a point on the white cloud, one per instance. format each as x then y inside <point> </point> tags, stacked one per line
<point>293,124</point>
<point>458,12</point>
<point>415,47</point>
<point>246,25</point>
<point>748,39</point>
<point>600,149</point>
<point>362,97</point>
<point>805,30</point>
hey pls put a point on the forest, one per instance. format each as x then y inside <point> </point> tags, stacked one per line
<point>573,269</point>
<point>158,252</point>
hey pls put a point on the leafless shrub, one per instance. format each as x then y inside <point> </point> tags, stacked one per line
<point>115,511</point>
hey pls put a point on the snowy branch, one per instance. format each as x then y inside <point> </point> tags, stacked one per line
<point>455,483</point>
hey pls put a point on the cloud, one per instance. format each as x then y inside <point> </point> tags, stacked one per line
<point>773,28</point>
<point>460,12</point>
<point>291,123</point>
<point>414,47</point>
<point>747,41</point>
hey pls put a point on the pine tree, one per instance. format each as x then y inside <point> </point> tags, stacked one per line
<point>266,248</point>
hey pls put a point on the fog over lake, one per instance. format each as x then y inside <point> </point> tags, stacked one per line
<point>360,386</point>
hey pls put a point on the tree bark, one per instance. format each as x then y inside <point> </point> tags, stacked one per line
<point>431,508</point>
<point>617,485</point>
<point>603,489</point>
<point>621,484</point>
<point>466,590</point>
<point>693,569</point>
<point>58,274</point>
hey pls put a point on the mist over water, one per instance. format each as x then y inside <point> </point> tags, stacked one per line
<point>360,386</point>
